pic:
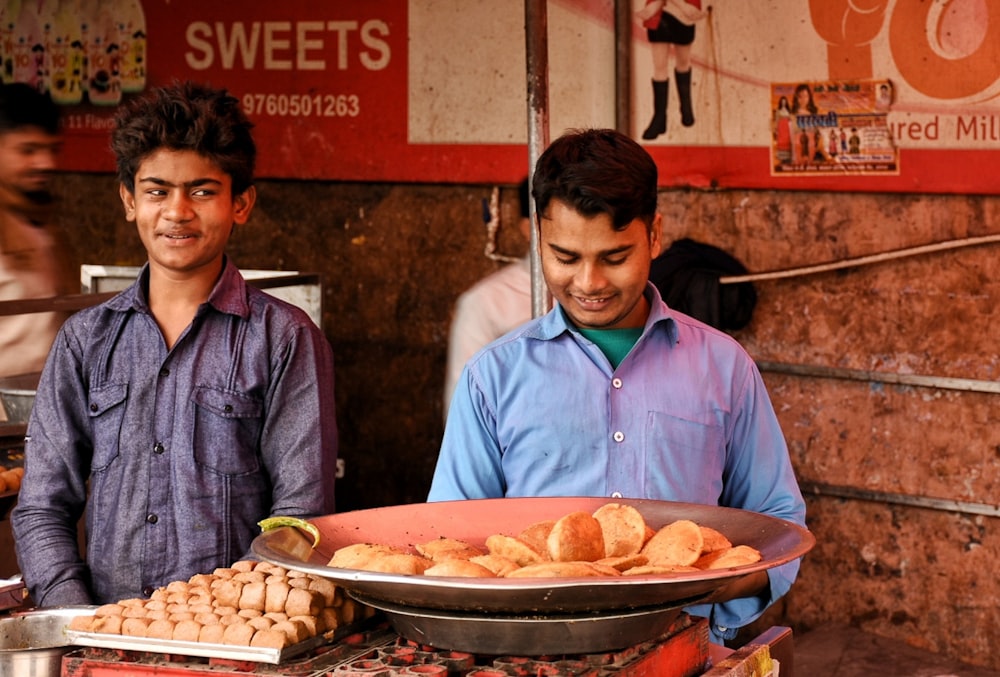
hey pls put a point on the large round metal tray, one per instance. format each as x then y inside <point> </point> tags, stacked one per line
<point>779,542</point>
<point>539,635</point>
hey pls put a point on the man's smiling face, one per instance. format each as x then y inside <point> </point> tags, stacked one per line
<point>596,273</point>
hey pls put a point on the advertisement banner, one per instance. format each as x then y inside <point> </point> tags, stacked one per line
<point>436,90</point>
<point>838,127</point>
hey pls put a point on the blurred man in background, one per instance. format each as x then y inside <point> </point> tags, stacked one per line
<point>33,264</point>
<point>490,308</point>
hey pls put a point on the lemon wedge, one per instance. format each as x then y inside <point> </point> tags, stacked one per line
<point>286,521</point>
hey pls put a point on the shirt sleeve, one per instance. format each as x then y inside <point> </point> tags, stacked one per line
<point>759,477</point>
<point>469,463</point>
<point>300,441</point>
<point>54,488</point>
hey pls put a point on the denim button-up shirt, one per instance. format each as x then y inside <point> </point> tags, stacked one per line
<point>182,452</point>
<point>684,417</point>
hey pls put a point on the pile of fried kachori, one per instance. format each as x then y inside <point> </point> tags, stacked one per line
<point>613,541</point>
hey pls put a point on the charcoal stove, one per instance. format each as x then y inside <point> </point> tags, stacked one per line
<point>683,651</point>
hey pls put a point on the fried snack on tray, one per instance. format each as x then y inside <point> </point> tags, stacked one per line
<point>514,549</point>
<point>624,529</point>
<point>276,611</point>
<point>444,548</point>
<point>536,536</point>
<point>677,544</point>
<point>614,540</point>
<point>576,537</point>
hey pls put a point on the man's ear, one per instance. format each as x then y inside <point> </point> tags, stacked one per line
<point>128,201</point>
<point>243,205</point>
<point>656,236</point>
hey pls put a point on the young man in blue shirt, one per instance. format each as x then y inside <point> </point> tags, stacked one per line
<point>612,393</point>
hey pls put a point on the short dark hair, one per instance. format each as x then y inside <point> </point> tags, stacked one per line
<point>597,171</point>
<point>185,116</point>
<point>22,105</point>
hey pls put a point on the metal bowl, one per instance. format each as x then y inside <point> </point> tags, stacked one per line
<point>779,542</point>
<point>33,643</point>
<point>17,395</point>
<point>539,635</point>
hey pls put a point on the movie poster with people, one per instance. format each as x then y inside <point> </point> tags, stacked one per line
<point>832,126</point>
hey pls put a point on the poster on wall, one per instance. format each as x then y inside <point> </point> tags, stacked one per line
<point>832,127</point>
<point>435,90</point>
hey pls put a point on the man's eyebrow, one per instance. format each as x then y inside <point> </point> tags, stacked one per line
<point>155,180</point>
<point>607,252</point>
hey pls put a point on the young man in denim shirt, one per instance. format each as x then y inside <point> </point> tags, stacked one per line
<point>184,410</point>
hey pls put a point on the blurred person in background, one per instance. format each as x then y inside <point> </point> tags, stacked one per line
<point>490,308</point>
<point>33,260</point>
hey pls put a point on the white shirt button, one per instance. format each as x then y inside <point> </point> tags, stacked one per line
<point>616,383</point>
<point>619,436</point>
<point>616,494</point>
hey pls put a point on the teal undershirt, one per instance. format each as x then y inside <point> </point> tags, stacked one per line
<point>614,343</point>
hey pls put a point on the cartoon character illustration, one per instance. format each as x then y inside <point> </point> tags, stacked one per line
<point>670,28</point>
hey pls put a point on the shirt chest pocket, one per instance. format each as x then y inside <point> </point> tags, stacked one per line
<point>106,409</point>
<point>686,458</point>
<point>227,430</point>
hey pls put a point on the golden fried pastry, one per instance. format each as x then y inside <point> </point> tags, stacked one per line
<point>500,566</point>
<point>624,529</point>
<point>557,570</point>
<point>358,555</point>
<point>462,568</point>
<point>623,562</point>
<point>447,548</point>
<point>736,556</point>
<point>678,543</point>
<point>399,564</point>
<point>537,536</point>
<point>513,549</point>
<point>576,537</point>
<point>657,570</point>
<point>713,540</point>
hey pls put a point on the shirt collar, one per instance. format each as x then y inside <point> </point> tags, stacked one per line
<point>555,322</point>
<point>228,296</point>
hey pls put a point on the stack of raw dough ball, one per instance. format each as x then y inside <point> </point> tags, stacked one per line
<point>254,604</point>
<point>10,478</point>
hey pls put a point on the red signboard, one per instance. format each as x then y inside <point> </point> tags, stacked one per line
<point>407,91</point>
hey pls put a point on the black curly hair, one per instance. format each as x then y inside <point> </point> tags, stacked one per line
<point>185,116</point>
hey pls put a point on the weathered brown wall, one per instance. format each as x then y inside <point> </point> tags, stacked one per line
<point>394,257</point>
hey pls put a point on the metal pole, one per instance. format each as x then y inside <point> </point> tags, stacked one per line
<point>623,66</point>
<point>536,45</point>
